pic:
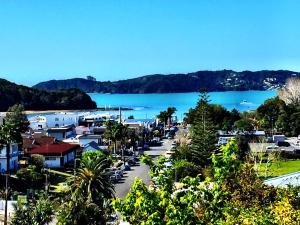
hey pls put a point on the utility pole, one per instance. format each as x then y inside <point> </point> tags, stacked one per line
<point>7,181</point>
<point>6,198</point>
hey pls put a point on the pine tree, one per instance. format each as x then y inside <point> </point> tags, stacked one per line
<point>204,137</point>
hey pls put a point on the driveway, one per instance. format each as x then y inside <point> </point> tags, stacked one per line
<point>140,171</point>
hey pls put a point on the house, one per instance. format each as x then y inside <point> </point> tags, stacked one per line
<point>33,141</point>
<point>87,138</point>
<point>93,146</point>
<point>57,155</point>
<point>13,153</point>
<point>61,133</point>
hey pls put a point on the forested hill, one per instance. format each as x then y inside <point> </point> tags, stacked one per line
<point>34,99</point>
<point>223,80</point>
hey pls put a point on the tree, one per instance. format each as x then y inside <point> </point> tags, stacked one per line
<point>114,132</point>
<point>36,213</point>
<point>165,116</point>
<point>87,201</point>
<point>10,132</point>
<point>290,93</point>
<point>203,134</point>
<point>244,125</point>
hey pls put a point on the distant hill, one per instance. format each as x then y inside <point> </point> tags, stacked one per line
<point>34,99</point>
<point>223,80</point>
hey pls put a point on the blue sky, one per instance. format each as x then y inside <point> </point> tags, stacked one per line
<point>112,40</point>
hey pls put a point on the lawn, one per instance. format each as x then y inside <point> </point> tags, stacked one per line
<point>280,168</point>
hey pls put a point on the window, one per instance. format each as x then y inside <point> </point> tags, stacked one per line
<point>56,119</point>
<point>50,158</point>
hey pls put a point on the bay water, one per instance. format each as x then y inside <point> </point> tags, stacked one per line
<point>147,106</point>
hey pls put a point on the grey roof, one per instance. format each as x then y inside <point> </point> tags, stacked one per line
<point>90,136</point>
<point>285,180</point>
<point>92,146</point>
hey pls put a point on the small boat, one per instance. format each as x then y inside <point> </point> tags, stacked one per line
<point>244,102</point>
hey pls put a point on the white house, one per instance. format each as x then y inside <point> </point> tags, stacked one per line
<point>56,155</point>
<point>13,157</point>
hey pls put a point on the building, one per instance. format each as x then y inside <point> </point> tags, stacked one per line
<point>30,142</point>
<point>93,146</point>
<point>57,155</point>
<point>14,153</point>
<point>53,120</point>
<point>92,119</point>
<point>61,133</point>
<point>140,124</point>
<point>88,138</point>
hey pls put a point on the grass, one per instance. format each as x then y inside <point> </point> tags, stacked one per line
<point>280,168</point>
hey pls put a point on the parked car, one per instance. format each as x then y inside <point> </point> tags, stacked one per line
<point>283,144</point>
<point>127,166</point>
<point>271,148</point>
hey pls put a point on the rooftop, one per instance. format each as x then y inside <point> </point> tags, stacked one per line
<point>54,149</point>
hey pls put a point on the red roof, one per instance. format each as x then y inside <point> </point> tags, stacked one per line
<point>54,149</point>
<point>33,142</point>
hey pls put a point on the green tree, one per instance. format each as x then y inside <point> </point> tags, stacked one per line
<point>165,116</point>
<point>40,212</point>
<point>10,132</point>
<point>203,133</point>
<point>87,201</point>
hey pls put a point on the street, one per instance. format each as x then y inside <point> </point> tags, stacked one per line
<point>140,170</point>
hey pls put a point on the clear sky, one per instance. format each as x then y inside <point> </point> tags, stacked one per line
<point>118,39</point>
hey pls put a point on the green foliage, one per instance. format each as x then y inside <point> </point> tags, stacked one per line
<point>235,195</point>
<point>226,164</point>
<point>40,212</point>
<point>183,168</point>
<point>165,116</point>
<point>33,99</point>
<point>31,175</point>
<point>276,114</point>
<point>141,205</point>
<point>92,155</point>
<point>203,133</point>
<point>37,160</point>
<point>244,125</point>
<point>87,201</point>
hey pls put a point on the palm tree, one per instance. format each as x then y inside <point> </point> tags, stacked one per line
<point>89,194</point>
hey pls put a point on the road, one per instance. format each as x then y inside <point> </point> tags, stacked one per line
<point>141,170</point>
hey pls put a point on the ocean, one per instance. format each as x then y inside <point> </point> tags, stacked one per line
<point>146,106</point>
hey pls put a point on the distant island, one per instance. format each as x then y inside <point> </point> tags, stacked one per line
<point>223,80</point>
<point>34,99</point>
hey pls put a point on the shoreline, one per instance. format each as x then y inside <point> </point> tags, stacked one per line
<point>29,112</point>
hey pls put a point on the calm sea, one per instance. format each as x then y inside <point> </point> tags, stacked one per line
<point>149,105</point>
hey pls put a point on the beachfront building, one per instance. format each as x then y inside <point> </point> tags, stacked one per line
<point>140,124</point>
<point>53,120</point>
<point>13,154</point>
<point>93,119</point>
<point>57,155</point>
